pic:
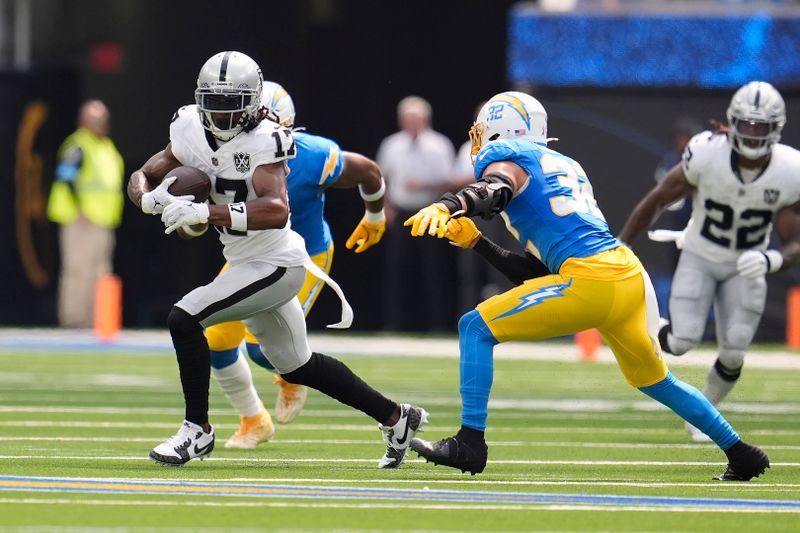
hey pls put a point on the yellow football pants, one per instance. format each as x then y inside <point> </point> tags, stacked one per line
<point>625,311</point>
<point>229,335</point>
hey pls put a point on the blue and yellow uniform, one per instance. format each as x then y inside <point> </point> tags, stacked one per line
<point>318,165</point>
<point>597,283</point>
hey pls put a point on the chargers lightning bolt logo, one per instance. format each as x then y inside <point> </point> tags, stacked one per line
<point>536,297</point>
<point>330,164</point>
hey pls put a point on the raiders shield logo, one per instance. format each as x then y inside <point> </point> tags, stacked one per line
<point>241,161</point>
<point>771,196</point>
<point>215,161</point>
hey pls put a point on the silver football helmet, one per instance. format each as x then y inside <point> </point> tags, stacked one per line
<point>277,104</point>
<point>507,115</point>
<point>228,94</point>
<point>756,116</point>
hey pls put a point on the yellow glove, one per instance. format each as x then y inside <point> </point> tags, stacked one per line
<point>366,234</point>
<point>432,219</point>
<point>462,232</point>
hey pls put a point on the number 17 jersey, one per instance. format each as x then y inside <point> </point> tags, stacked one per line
<point>230,167</point>
<point>730,216</point>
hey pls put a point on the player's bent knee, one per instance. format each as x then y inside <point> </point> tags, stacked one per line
<point>678,346</point>
<point>472,326</point>
<point>224,358</point>
<point>257,356</point>
<point>732,361</point>
<point>182,324</point>
<point>225,336</point>
<point>738,338</point>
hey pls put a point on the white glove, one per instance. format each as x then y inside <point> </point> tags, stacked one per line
<point>667,235</point>
<point>754,264</point>
<point>154,202</point>
<point>184,213</point>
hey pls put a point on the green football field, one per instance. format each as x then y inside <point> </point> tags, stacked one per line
<point>571,448</point>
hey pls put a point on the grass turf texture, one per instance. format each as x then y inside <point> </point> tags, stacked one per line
<point>556,430</point>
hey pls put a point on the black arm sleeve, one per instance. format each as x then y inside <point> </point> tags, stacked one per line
<point>515,267</point>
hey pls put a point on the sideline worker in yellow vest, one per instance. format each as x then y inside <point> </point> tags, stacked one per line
<point>86,200</point>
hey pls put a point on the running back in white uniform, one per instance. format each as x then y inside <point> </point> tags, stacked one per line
<point>230,168</point>
<point>730,216</point>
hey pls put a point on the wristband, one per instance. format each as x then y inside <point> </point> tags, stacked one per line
<point>372,196</point>
<point>774,260</point>
<point>238,213</point>
<point>374,218</point>
<point>191,232</point>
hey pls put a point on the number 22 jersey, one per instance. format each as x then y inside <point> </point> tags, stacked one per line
<point>730,216</point>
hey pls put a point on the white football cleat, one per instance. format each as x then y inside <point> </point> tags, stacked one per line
<point>696,435</point>
<point>190,442</point>
<point>399,436</point>
<point>253,430</point>
<point>291,399</point>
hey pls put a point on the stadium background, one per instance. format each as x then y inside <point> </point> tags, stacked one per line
<point>347,64</point>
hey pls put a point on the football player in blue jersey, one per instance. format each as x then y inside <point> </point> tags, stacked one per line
<point>574,276</point>
<point>319,164</point>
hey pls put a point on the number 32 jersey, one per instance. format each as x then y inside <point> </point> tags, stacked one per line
<point>730,216</point>
<point>230,167</point>
<point>554,215</point>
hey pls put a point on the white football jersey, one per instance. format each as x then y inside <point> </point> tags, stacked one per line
<point>730,216</point>
<point>230,168</point>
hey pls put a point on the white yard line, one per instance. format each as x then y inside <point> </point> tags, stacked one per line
<point>366,442</point>
<point>339,460</point>
<point>158,341</point>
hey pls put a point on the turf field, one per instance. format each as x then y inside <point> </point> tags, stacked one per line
<point>572,448</point>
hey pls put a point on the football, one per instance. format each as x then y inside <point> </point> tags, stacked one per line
<point>190,180</point>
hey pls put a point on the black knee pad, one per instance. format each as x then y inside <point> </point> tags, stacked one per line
<point>727,374</point>
<point>182,324</point>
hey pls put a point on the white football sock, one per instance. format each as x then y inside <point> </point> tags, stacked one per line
<point>716,388</point>
<point>236,381</point>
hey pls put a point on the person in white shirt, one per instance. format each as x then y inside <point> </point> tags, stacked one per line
<point>417,163</point>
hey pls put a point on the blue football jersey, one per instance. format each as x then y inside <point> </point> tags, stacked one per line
<point>554,216</point>
<point>318,164</point>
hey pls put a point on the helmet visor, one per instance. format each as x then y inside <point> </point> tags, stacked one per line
<point>752,130</point>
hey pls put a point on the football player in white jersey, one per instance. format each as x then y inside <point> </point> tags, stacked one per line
<point>246,161</point>
<point>742,182</point>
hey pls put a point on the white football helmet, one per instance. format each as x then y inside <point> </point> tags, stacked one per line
<point>756,117</point>
<point>228,94</point>
<point>278,104</point>
<point>506,115</point>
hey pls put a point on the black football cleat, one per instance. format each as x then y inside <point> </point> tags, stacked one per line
<point>745,462</point>
<point>455,452</point>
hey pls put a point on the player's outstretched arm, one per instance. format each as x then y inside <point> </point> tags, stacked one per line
<point>486,198</point>
<point>673,187</point>
<point>151,174</point>
<point>362,172</point>
<point>517,268</point>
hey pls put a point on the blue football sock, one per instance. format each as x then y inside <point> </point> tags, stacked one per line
<point>476,343</point>
<point>690,404</point>
<point>222,358</point>
<point>258,357</point>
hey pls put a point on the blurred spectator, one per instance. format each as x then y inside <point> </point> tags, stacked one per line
<point>86,200</point>
<point>417,163</point>
<point>677,214</point>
